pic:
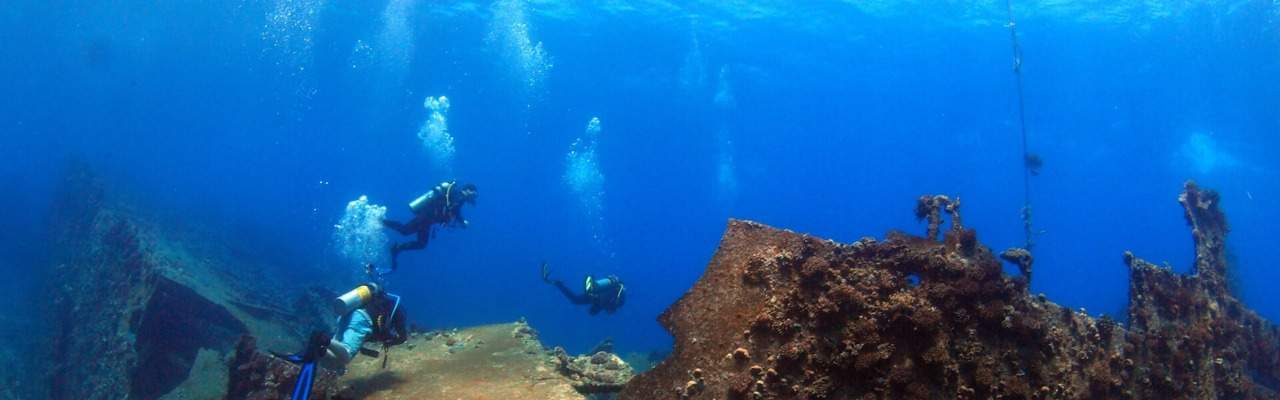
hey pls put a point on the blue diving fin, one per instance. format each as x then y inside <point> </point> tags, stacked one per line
<point>302,388</point>
<point>307,360</point>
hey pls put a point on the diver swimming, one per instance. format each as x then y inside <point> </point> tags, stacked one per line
<point>607,293</point>
<point>366,314</point>
<point>441,205</point>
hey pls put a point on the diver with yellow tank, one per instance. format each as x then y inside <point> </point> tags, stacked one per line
<point>441,205</point>
<point>365,314</point>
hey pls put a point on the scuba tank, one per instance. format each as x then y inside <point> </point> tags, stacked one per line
<point>356,298</point>
<point>601,284</point>
<point>419,205</point>
<point>608,289</point>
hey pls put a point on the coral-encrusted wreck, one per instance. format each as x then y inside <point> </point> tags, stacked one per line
<point>779,315</point>
<point>137,314</point>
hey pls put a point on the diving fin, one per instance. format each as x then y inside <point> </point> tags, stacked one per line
<point>306,375</point>
<point>316,347</point>
<point>293,358</point>
<point>302,388</point>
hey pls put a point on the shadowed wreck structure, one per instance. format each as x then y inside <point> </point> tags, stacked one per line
<point>138,314</point>
<point>780,315</point>
<point>143,310</point>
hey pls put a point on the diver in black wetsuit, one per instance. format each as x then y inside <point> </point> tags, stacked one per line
<point>607,294</point>
<point>440,206</point>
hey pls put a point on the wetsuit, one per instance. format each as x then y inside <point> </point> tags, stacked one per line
<point>437,207</point>
<point>383,320</point>
<point>607,294</point>
<point>372,323</point>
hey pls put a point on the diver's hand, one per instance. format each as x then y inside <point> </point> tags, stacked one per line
<point>317,346</point>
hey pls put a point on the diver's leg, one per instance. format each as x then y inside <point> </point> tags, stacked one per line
<point>569,294</point>
<point>402,228</point>
<point>423,236</point>
<point>336,356</point>
<point>355,327</point>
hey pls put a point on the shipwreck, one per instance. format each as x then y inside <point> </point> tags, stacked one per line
<point>781,315</point>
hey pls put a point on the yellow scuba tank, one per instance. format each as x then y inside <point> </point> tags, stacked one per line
<point>356,298</point>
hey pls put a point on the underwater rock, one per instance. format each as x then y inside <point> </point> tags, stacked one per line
<point>133,313</point>
<point>781,315</point>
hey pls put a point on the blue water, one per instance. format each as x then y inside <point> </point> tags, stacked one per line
<point>264,118</point>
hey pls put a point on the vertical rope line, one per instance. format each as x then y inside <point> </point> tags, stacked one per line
<point>1022,124</point>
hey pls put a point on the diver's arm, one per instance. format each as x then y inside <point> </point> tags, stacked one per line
<point>458,219</point>
<point>573,297</point>
<point>399,334</point>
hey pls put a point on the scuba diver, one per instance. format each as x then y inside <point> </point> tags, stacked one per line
<point>366,314</point>
<point>606,293</point>
<point>441,205</point>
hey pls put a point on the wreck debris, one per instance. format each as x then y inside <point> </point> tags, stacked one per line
<point>1020,257</point>
<point>1193,337</point>
<point>828,321</point>
<point>1209,229</point>
<point>929,207</point>
<point>601,372</point>
<point>125,322</point>
<point>135,314</point>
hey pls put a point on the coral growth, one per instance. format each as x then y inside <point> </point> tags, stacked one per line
<point>779,315</point>
<point>931,207</point>
<point>1189,333</point>
<point>600,372</point>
